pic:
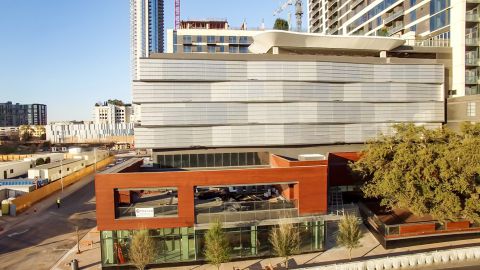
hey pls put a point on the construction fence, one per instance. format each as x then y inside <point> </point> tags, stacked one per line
<point>14,157</point>
<point>24,202</point>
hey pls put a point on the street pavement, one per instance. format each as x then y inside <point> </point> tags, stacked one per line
<point>38,238</point>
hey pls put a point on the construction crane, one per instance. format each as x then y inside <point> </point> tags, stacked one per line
<point>177,14</point>
<point>298,11</point>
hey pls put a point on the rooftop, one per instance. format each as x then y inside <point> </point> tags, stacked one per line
<point>57,164</point>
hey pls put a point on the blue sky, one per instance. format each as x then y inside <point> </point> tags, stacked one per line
<point>69,54</point>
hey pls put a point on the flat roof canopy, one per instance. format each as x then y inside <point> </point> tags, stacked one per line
<point>264,41</point>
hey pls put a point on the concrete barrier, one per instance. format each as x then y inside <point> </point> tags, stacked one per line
<point>24,202</point>
<point>411,261</point>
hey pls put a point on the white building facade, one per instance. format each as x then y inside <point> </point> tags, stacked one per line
<point>439,23</point>
<point>264,99</point>
<point>89,132</point>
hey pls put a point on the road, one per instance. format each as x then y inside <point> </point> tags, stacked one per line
<point>40,238</point>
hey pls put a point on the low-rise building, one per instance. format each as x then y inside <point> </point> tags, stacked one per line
<point>88,132</point>
<point>177,204</point>
<point>56,170</point>
<point>13,169</point>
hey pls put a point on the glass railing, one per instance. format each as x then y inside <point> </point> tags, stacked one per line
<point>472,17</point>
<point>396,28</point>
<point>428,42</point>
<point>245,211</point>
<point>472,90</point>
<point>471,79</point>
<point>472,41</point>
<point>472,61</point>
<point>393,16</point>
<point>355,3</point>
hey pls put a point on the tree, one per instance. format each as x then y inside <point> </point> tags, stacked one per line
<point>427,171</point>
<point>47,160</point>
<point>285,240</point>
<point>281,24</point>
<point>217,248</point>
<point>349,233</point>
<point>383,32</point>
<point>39,161</point>
<point>25,132</point>
<point>115,102</point>
<point>142,249</point>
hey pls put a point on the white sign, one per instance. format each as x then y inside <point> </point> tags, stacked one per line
<point>144,212</point>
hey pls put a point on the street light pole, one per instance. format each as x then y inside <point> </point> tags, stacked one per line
<point>61,173</point>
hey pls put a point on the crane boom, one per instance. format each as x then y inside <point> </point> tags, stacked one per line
<point>298,11</point>
<point>177,14</point>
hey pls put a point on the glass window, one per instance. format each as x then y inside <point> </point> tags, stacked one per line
<point>202,160</point>
<point>232,39</point>
<point>185,161</point>
<point>218,160</point>
<point>211,49</point>
<point>211,39</point>
<point>187,49</point>
<point>222,39</point>
<point>413,3</point>
<point>243,49</point>
<point>438,5</point>
<point>243,40</point>
<point>234,159</point>
<point>199,48</point>
<point>440,20</point>
<point>210,160</point>
<point>242,159</point>
<point>226,160</point>
<point>146,202</point>
<point>222,48</point>
<point>232,49</point>
<point>413,16</point>
<point>193,160</point>
<point>187,39</point>
<point>199,39</point>
<point>177,161</point>
<point>471,109</point>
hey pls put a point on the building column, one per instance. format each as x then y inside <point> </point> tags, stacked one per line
<point>253,239</point>
<point>184,244</point>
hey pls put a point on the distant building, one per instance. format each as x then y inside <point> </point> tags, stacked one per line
<point>14,115</point>
<point>89,132</point>
<point>147,24</point>
<point>112,114</point>
<point>209,36</point>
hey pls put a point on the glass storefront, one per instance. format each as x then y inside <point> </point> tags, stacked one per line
<point>185,244</point>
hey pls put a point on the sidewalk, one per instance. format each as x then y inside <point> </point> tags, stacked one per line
<point>90,256</point>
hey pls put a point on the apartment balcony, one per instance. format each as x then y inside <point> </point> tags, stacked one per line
<point>354,4</point>
<point>332,3</point>
<point>471,79</point>
<point>472,17</point>
<point>472,61</point>
<point>398,27</point>
<point>332,12</point>
<point>392,17</point>
<point>472,42</point>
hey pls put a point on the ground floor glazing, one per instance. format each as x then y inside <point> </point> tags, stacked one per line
<point>187,244</point>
